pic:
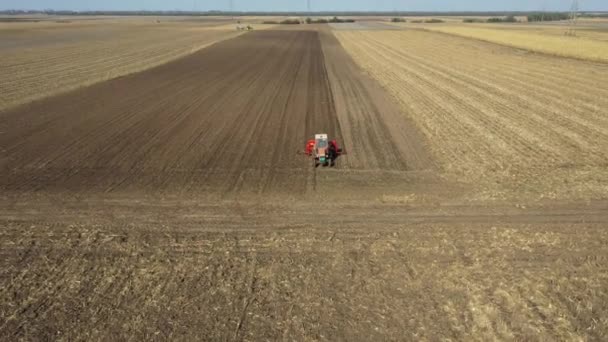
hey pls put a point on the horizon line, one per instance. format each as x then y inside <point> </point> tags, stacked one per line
<point>284,12</point>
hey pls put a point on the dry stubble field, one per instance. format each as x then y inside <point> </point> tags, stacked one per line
<point>588,40</point>
<point>518,124</point>
<point>181,210</point>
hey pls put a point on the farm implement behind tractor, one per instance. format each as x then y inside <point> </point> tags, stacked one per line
<point>323,151</point>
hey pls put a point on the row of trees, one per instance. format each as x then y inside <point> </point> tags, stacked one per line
<point>327,21</point>
<point>310,21</point>
<point>507,19</point>
<point>548,16</point>
<point>544,16</point>
<point>417,21</point>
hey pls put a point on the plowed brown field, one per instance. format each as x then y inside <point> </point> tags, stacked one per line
<point>229,117</point>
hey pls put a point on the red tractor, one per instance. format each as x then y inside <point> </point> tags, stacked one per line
<point>323,151</point>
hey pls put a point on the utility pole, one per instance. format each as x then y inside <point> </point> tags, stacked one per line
<point>542,18</point>
<point>573,18</point>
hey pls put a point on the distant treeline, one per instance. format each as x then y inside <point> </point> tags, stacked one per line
<point>507,19</point>
<point>309,21</point>
<point>295,13</point>
<point>548,16</point>
<point>428,21</point>
<point>334,20</point>
<point>594,15</point>
<point>531,18</point>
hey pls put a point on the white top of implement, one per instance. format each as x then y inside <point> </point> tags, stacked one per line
<point>320,136</point>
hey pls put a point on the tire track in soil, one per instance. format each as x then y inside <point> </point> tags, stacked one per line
<point>227,118</point>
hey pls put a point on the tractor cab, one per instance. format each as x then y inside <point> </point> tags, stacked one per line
<point>322,150</point>
<point>321,146</point>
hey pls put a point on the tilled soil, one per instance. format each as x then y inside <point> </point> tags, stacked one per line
<point>106,268</point>
<point>174,204</point>
<point>230,117</point>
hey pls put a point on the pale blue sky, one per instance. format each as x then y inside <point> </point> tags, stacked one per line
<point>300,5</point>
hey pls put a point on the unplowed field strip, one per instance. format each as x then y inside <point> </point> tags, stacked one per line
<point>227,118</point>
<point>493,113</point>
